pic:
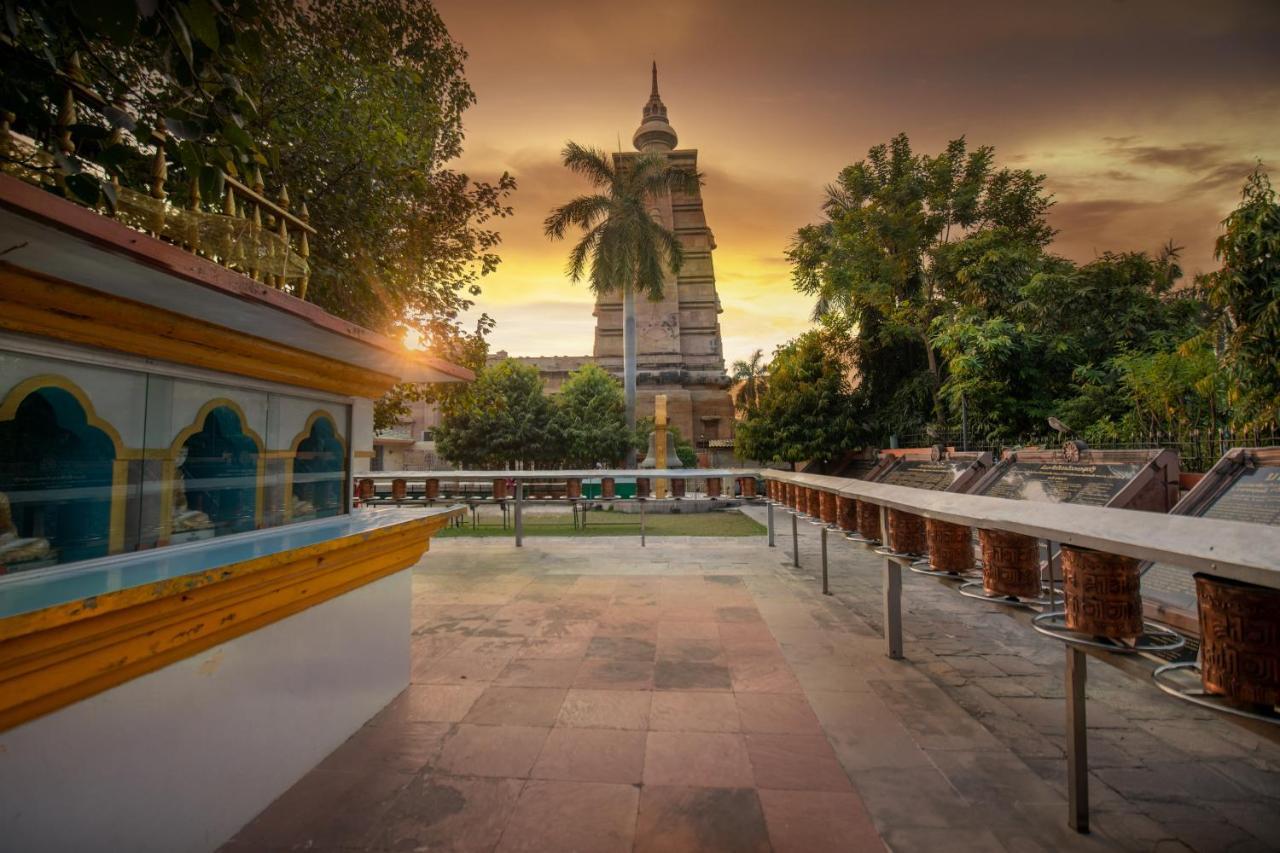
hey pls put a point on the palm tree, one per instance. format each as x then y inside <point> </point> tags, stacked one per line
<point>628,249</point>
<point>751,374</point>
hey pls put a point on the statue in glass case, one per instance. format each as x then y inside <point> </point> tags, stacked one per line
<point>187,523</point>
<point>16,550</point>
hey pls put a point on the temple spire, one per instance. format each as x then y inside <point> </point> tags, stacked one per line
<point>655,132</point>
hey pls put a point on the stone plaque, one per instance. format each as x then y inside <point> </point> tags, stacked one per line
<point>1253,496</point>
<point>926,473</point>
<point>1062,482</point>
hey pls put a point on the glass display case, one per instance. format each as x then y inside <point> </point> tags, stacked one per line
<point>97,460</point>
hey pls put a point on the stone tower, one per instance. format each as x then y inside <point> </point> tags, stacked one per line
<point>679,348</point>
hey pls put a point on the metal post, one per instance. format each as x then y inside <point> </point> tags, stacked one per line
<point>770,524</point>
<point>519,516</point>
<point>1077,742</point>
<point>642,522</point>
<point>795,542</point>
<point>826,587</point>
<point>892,609</point>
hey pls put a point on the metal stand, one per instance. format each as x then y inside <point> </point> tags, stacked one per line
<point>1166,678</point>
<point>973,589</point>
<point>826,586</point>
<point>519,514</point>
<point>892,609</point>
<point>1077,741</point>
<point>1155,638</point>
<point>795,542</point>
<point>641,522</point>
<point>921,567</point>
<point>770,511</point>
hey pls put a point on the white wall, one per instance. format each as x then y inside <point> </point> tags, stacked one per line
<point>181,758</point>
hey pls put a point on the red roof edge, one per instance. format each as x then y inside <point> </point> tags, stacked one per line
<point>82,222</point>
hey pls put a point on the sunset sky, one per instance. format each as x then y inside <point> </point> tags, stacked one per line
<point>1145,116</point>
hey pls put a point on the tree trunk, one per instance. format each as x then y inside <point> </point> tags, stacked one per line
<point>629,365</point>
<point>935,374</point>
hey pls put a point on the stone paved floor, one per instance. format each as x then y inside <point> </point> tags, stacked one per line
<point>587,695</point>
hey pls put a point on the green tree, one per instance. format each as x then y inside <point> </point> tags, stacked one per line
<point>501,419</point>
<point>627,249</point>
<point>592,421</point>
<point>751,374</point>
<point>805,411</point>
<point>1247,293</point>
<point>899,228</point>
<point>169,73</point>
<point>362,105</point>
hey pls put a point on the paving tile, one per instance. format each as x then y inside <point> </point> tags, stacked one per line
<point>700,820</point>
<point>405,747</point>
<point>517,706</point>
<point>447,703</point>
<point>535,672</point>
<point>492,750</point>
<point>448,813</point>
<point>687,711</point>
<point>621,648</point>
<point>993,777</point>
<point>554,648</point>
<point>562,629</point>
<point>680,648</point>
<point>688,630</point>
<point>572,816</point>
<point>605,709</point>
<point>701,758</point>
<point>734,633</point>
<point>795,763</point>
<point>325,807</point>
<point>691,675</point>
<point>602,673</point>
<point>818,822</point>
<point>452,669</point>
<point>592,755</point>
<point>762,675</point>
<point>780,713</point>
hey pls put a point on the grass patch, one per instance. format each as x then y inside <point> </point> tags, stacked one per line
<point>606,523</point>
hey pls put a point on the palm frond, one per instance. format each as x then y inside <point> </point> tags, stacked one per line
<point>592,163</point>
<point>583,212</point>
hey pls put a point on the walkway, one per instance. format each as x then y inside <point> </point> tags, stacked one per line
<point>587,695</point>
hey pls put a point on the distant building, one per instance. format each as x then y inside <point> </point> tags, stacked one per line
<point>680,351</point>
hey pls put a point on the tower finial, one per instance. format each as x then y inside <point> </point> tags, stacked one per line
<point>655,133</point>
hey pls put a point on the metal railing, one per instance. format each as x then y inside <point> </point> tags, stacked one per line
<point>554,488</point>
<point>1237,551</point>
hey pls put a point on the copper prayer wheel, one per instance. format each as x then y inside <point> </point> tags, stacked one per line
<point>793,496</point>
<point>827,506</point>
<point>771,489</point>
<point>399,488</point>
<point>748,487</point>
<point>906,532</point>
<point>366,489</point>
<point>1010,564</point>
<point>1239,640</point>
<point>846,513</point>
<point>714,485</point>
<point>677,488</point>
<point>808,502</point>
<point>642,487</point>
<point>869,521</point>
<point>499,489</point>
<point>950,546</point>
<point>432,489</point>
<point>607,488</point>
<point>1102,593</point>
<point>573,488</point>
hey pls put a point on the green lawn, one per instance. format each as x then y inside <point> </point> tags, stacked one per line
<point>603,523</point>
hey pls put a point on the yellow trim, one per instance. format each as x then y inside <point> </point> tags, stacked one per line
<point>119,466</point>
<point>39,305</point>
<point>292,454</point>
<point>60,655</point>
<point>170,471</point>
